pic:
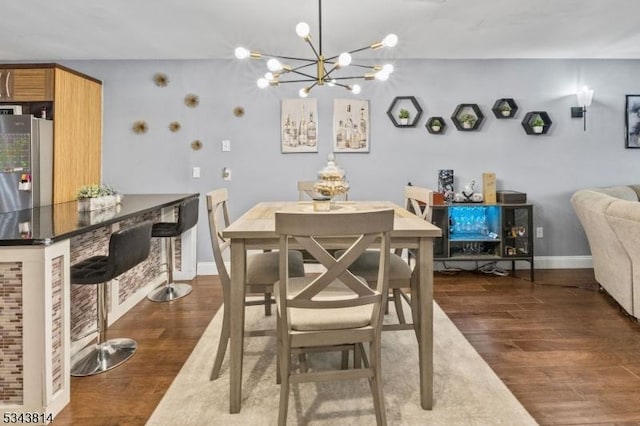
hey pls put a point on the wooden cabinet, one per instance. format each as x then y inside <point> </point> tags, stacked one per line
<point>28,85</point>
<point>484,233</point>
<point>74,101</point>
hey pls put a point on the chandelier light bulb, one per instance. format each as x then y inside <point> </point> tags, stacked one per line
<point>303,30</point>
<point>332,82</point>
<point>356,89</point>
<point>268,75</point>
<point>304,92</point>
<point>242,53</point>
<point>262,83</point>
<point>388,68</point>
<point>274,65</point>
<point>344,59</point>
<point>382,76</point>
<point>390,40</point>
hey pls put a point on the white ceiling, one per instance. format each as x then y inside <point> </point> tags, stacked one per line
<point>206,29</point>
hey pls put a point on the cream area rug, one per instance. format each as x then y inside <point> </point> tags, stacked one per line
<point>466,391</point>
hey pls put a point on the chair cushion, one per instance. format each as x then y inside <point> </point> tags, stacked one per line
<point>94,270</point>
<point>367,266</point>
<point>264,268</point>
<point>325,319</point>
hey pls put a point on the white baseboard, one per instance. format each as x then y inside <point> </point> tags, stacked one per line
<point>540,262</point>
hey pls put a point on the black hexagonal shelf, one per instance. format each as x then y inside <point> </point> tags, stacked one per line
<point>436,125</point>
<point>405,102</point>
<point>505,108</point>
<point>467,117</point>
<point>531,127</point>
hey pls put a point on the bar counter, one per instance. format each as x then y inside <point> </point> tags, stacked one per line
<point>44,319</point>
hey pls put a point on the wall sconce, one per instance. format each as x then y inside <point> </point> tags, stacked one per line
<point>584,95</point>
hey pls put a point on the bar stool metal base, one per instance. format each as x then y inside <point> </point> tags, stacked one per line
<point>101,357</point>
<point>170,292</point>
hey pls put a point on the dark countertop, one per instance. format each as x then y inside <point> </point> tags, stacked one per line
<point>47,224</point>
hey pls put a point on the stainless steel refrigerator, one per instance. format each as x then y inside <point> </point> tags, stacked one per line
<point>26,162</point>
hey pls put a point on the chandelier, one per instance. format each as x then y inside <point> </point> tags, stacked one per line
<point>327,69</point>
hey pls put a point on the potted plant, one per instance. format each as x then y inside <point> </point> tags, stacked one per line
<point>97,197</point>
<point>436,125</point>
<point>505,109</point>
<point>403,115</point>
<point>468,120</point>
<point>537,125</point>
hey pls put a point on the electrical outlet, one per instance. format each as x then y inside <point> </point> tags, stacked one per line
<point>539,232</point>
<point>226,145</point>
<point>195,172</point>
<point>226,174</point>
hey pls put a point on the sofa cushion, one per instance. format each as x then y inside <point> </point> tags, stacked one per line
<point>623,192</point>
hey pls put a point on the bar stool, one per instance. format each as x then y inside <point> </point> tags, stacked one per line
<point>127,248</point>
<point>187,219</point>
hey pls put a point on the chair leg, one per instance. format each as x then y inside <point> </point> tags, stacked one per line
<point>376,383</point>
<point>285,358</point>
<point>222,344</point>
<point>357,356</point>
<point>170,290</point>
<point>397,300</point>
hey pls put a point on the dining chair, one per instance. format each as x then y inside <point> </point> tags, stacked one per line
<point>336,307</point>
<point>419,200</point>
<point>262,272</point>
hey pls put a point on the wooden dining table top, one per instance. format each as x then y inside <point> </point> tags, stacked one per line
<point>259,221</point>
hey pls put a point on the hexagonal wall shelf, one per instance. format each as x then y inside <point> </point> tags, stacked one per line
<point>408,103</point>
<point>530,125</point>
<point>467,117</point>
<point>505,108</point>
<point>436,125</point>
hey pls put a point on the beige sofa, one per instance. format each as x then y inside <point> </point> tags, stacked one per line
<point>611,220</point>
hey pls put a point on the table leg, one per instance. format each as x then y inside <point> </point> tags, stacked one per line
<point>236,322</point>
<point>425,330</point>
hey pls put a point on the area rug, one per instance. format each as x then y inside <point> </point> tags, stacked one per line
<point>466,390</point>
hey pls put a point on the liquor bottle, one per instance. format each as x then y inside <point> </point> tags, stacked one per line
<point>348,136</point>
<point>340,135</point>
<point>302,130</point>
<point>294,133</point>
<point>362,130</point>
<point>311,131</point>
<point>286,131</point>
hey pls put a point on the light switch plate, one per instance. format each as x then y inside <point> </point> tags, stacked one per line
<point>195,172</point>
<point>226,145</point>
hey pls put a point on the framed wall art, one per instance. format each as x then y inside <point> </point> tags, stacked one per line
<point>351,125</point>
<point>632,122</point>
<point>299,125</point>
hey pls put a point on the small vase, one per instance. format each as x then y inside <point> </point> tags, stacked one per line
<point>404,121</point>
<point>506,113</point>
<point>537,129</point>
<point>466,125</point>
<point>435,128</point>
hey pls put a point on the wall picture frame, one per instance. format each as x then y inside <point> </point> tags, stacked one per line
<point>351,125</point>
<point>632,121</point>
<point>299,126</point>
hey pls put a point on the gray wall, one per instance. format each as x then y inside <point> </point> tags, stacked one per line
<point>548,168</point>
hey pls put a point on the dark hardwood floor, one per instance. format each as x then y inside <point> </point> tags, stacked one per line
<point>564,349</point>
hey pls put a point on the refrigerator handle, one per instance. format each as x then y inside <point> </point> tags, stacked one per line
<point>6,81</point>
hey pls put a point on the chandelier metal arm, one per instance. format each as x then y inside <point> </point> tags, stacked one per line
<point>290,58</point>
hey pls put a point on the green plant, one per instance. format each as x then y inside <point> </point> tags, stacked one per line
<point>436,123</point>
<point>468,118</point>
<point>537,122</point>
<point>403,113</point>
<point>505,107</point>
<point>95,191</point>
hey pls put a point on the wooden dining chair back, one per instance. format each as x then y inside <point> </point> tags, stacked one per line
<point>262,271</point>
<point>419,200</point>
<point>336,307</point>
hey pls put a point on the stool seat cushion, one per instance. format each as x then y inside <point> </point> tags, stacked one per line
<point>94,270</point>
<point>165,229</point>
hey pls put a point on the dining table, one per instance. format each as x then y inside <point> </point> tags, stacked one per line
<point>255,230</point>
